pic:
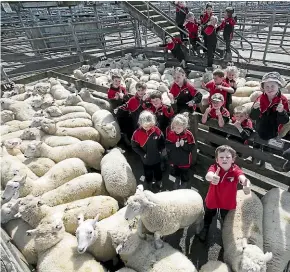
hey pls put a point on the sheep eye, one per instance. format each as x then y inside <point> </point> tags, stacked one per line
<point>8,212</point>
<point>90,232</point>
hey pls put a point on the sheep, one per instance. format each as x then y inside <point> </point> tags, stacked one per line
<point>23,111</point>
<point>161,68</point>
<point>42,87</point>
<point>155,76</point>
<point>126,269</point>
<point>53,111</point>
<point>168,79</point>
<point>87,97</point>
<point>255,95</point>
<point>32,210</point>
<point>59,140</point>
<point>118,176</point>
<point>163,88</point>
<point>78,74</point>
<point>240,226</point>
<point>57,175</point>
<point>72,115</point>
<point>57,90</point>
<point>47,101</point>
<point>81,133</point>
<point>239,101</point>
<point>215,266</point>
<point>253,83</point>
<point>39,166</point>
<point>9,94</point>
<point>70,109</point>
<point>193,75</point>
<point>88,151</point>
<point>166,212</point>
<point>17,125</point>
<point>93,235</point>
<point>109,129</point>
<point>89,107</point>
<point>245,91</point>
<point>240,82</point>
<point>86,185</point>
<point>152,85</point>
<point>9,210</point>
<point>13,148</point>
<point>276,218</point>
<point>6,116</point>
<point>74,123</point>
<point>142,256</point>
<point>207,76</point>
<point>11,190</point>
<point>168,71</point>
<point>22,96</point>
<point>19,88</point>
<point>11,165</point>
<point>16,229</point>
<point>56,249</point>
<point>144,78</point>
<point>72,100</point>
<point>33,133</point>
<point>12,135</point>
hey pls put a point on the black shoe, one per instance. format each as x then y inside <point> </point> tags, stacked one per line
<point>158,184</point>
<point>203,234</point>
<point>286,166</point>
<point>148,185</point>
<point>260,163</point>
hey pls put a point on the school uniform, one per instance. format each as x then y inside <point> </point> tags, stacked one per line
<point>180,18</point>
<point>211,38</point>
<point>183,95</point>
<point>223,195</point>
<point>211,86</point>
<point>247,126</point>
<point>179,158</point>
<point>176,49</point>
<point>204,19</point>
<point>192,28</point>
<point>148,145</point>
<point>112,91</point>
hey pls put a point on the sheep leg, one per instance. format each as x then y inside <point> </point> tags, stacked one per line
<point>140,230</point>
<point>158,241</point>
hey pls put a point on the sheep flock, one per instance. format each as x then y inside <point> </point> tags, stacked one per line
<point>70,200</point>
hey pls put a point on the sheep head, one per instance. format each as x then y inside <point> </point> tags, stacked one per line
<point>13,143</point>
<point>6,103</point>
<point>110,130</point>
<point>253,259</point>
<point>54,111</point>
<point>33,150</point>
<point>85,68</point>
<point>36,101</point>
<point>9,210</point>
<point>31,133</point>
<point>12,188</point>
<point>48,126</point>
<point>41,88</point>
<point>19,88</point>
<point>84,92</point>
<point>53,82</point>
<point>6,116</point>
<point>85,232</point>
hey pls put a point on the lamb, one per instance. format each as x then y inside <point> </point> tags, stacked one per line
<point>255,95</point>
<point>142,256</point>
<point>253,83</point>
<point>23,110</point>
<point>239,101</point>
<point>131,85</point>
<point>240,226</point>
<point>87,97</point>
<point>6,116</point>
<point>32,210</point>
<point>241,82</point>
<point>89,151</point>
<point>118,176</point>
<point>215,266</point>
<point>166,212</point>
<point>57,90</point>
<point>11,190</point>
<point>108,128</point>
<point>72,115</point>
<point>72,100</point>
<point>86,185</point>
<point>54,141</point>
<point>155,76</point>
<point>56,249</point>
<point>56,176</point>
<point>89,107</point>
<point>16,229</point>
<point>74,123</point>
<point>245,91</point>
<point>78,74</point>
<point>276,218</point>
<point>93,235</point>
<point>70,109</point>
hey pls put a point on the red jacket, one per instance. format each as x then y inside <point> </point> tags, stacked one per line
<point>227,25</point>
<point>225,113</point>
<point>112,93</point>
<point>204,18</point>
<point>224,194</point>
<point>212,89</point>
<point>247,126</point>
<point>192,29</point>
<point>171,46</point>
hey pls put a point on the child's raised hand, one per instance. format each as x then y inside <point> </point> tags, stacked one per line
<point>116,110</point>
<point>219,87</point>
<point>256,105</point>
<point>237,124</point>
<point>207,111</point>
<point>181,142</point>
<point>215,177</point>
<point>203,85</point>
<point>177,144</point>
<point>145,97</point>
<point>121,95</point>
<point>280,107</point>
<point>117,96</point>
<point>218,112</point>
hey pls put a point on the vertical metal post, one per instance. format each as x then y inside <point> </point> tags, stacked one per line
<point>284,31</point>
<point>145,36</point>
<point>79,51</point>
<point>99,26</point>
<point>269,35</point>
<point>137,31</point>
<point>4,75</point>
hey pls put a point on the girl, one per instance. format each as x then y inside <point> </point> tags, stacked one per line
<point>232,74</point>
<point>204,20</point>
<point>181,11</point>
<point>179,145</point>
<point>183,94</point>
<point>148,142</point>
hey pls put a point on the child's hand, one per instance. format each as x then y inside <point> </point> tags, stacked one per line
<point>177,144</point>
<point>246,187</point>
<point>203,85</point>
<point>256,105</point>
<point>215,177</point>
<point>181,142</point>
<point>237,124</point>
<point>207,111</point>
<point>117,96</point>
<point>219,87</point>
<point>145,97</point>
<point>190,103</point>
<point>170,96</point>
<point>218,112</point>
<point>121,95</point>
<point>145,156</point>
<point>280,107</point>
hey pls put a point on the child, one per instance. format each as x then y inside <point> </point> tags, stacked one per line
<point>148,141</point>
<point>162,112</point>
<point>204,19</point>
<point>179,145</point>
<point>224,177</point>
<point>117,94</point>
<point>175,46</point>
<point>228,25</point>
<point>181,11</point>
<point>184,93</point>
<point>218,85</point>
<point>231,76</point>
<point>211,40</point>
<point>270,110</point>
<point>191,26</point>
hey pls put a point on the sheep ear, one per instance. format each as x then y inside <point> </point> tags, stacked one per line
<point>118,248</point>
<point>140,188</point>
<point>80,219</point>
<point>16,194</point>
<point>245,243</point>
<point>96,220</point>
<point>31,232</point>
<point>268,256</point>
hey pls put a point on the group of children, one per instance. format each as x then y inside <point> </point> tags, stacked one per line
<point>207,27</point>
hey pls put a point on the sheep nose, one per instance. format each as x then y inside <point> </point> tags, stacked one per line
<point>3,197</point>
<point>127,218</point>
<point>81,250</point>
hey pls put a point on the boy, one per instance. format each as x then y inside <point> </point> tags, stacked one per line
<point>181,11</point>
<point>148,142</point>
<point>179,145</point>
<point>185,95</point>
<point>231,76</point>
<point>191,26</point>
<point>228,25</point>
<point>224,177</point>
<point>218,85</point>
<point>204,19</point>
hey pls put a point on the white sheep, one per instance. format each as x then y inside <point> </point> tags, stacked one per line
<point>243,225</point>
<point>9,210</point>
<point>194,74</point>
<point>152,84</point>
<point>42,87</point>
<point>47,101</point>
<point>12,135</point>
<point>155,76</point>
<point>276,218</point>
<point>53,111</point>
<point>168,79</point>
<point>93,235</point>
<point>59,140</point>
<point>13,148</point>
<point>13,126</point>
<point>23,111</point>
<point>253,83</point>
<point>214,266</point>
<point>57,90</point>
<point>108,128</point>
<point>142,256</point>
<point>245,91</point>
<point>11,190</point>
<point>88,151</point>
<point>87,97</point>
<point>74,123</point>
<point>72,115</point>
<point>86,185</point>
<point>16,229</point>
<point>240,82</point>
<point>57,175</point>
<point>6,116</point>
<point>239,101</point>
<point>255,95</point>
<point>163,88</point>
<point>33,133</point>
<point>39,166</point>
<point>89,107</point>
<point>78,74</point>
<point>22,96</point>
<point>144,78</point>
<point>19,88</point>
<point>166,212</point>
<point>72,100</point>
<point>118,176</point>
<point>56,249</point>
<point>70,109</point>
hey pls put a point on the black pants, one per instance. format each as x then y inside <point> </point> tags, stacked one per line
<point>182,35</point>
<point>204,41</point>
<point>210,214</point>
<point>183,173</point>
<point>193,42</point>
<point>125,122</point>
<point>211,46</point>
<point>151,171</point>
<point>228,40</point>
